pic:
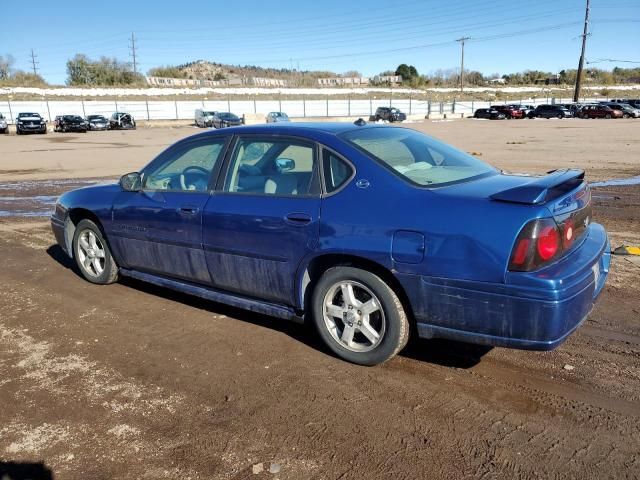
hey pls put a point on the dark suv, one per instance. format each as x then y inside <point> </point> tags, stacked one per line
<point>390,114</point>
<point>70,123</point>
<point>550,111</point>
<point>30,123</point>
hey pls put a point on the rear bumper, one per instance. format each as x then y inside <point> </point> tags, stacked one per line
<point>535,310</point>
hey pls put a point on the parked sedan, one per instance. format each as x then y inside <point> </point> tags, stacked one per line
<point>122,121</point>
<point>550,111</point>
<point>97,122</point>
<point>599,111</point>
<point>225,119</point>
<point>489,113</point>
<point>70,123</point>
<point>627,110</point>
<point>276,117</point>
<point>30,123</point>
<point>510,111</point>
<point>414,236</point>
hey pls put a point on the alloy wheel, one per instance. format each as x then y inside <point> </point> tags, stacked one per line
<point>353,316</point>
<point>91,253</point>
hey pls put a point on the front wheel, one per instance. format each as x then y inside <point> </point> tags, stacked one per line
<point>607,116</point>
<point>358,316</point>
<point>92,254</point>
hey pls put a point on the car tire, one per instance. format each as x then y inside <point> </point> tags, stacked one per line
<point>560,116</point>
<point>372,338</point>
<point>607,116</point>
<point>625,115</point>
<point>92,255</point>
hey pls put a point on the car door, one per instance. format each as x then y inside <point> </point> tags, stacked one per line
<point>159,228</point>
<point>264,217</point>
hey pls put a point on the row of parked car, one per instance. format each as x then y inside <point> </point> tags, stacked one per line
<point>29,122</point>
<point>618,108</point>
<point>211,118</point>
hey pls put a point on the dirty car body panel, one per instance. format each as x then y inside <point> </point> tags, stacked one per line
<point>447,247</point>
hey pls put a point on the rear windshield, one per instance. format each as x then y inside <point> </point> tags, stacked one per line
<point>416,157</point>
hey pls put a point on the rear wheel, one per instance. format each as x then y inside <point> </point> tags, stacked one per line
<point>358,316</point>
<point>92,254</point>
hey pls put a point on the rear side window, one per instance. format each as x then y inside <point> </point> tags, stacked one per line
<point>336,171</point>
<point>416,157</point>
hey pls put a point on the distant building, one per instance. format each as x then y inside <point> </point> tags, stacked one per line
<point>184,82</point>
<point>390,79</point>
<point>352,81</point>
<point>550,80</point>
<point>267,82</point>
<point>231,81</point>
<point>342,81</point>
<point>500,81</point>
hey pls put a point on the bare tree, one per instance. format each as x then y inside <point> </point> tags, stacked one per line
<point>6,66</point>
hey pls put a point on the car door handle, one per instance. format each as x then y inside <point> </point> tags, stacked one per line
<point>298,219</point>
<point>188,210</point>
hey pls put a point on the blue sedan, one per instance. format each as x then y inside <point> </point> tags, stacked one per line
<point>370,232</point>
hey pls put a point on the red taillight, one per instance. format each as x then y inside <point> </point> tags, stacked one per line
<point>539,242</point>
<point>548,242</point>
<point>520,252</point>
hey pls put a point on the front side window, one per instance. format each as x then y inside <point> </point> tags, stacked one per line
<point>186,168</point>
<point>416,157</point>
<point>271,167</point>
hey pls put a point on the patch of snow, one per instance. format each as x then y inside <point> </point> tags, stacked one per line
<point>253,91</point>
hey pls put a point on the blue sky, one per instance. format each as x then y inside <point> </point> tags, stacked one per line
<point>368,36</point>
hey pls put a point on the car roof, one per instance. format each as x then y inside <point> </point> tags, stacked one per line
<point>295,128</point>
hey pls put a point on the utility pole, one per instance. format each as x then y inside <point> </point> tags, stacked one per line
<point>462,40</point>
<point>133,52</point>
<point>576,92</point>
<point>34,64</point>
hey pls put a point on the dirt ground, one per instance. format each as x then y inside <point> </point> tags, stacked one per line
<point>132,381</point>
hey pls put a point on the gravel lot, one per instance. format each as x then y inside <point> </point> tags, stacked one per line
<point>132,381</point>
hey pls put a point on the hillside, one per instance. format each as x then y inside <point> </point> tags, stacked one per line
<point>204,70</point>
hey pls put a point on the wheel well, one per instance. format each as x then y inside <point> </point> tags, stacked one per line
<point>321,264</point>
<point>74,217</point>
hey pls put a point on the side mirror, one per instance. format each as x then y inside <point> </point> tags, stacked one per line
<point>285,165</point>
<point>131,182</point>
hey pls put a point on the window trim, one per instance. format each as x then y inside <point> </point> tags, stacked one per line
<point>196,142</point>
<point>315,183</point>
<point>325,193</point>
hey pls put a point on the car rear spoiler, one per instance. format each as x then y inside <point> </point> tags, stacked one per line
<point>542,189</point>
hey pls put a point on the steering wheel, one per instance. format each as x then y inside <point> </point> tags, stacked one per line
<point>196,168</point>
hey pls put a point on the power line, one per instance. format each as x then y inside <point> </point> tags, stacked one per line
<point>34,63</point>
<point>461,41</point>
<point>612,60</point>
<point>576,92</point>
<point>133,52</point>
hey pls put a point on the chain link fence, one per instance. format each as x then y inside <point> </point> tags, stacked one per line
<point>302,108</point>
